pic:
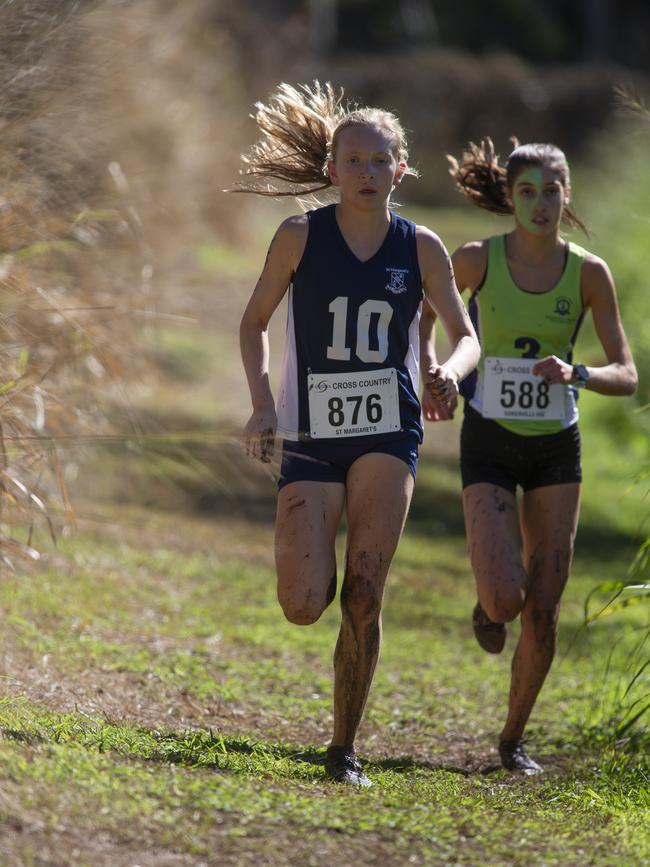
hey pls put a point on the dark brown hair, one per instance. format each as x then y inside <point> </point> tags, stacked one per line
<point>300,129</point>
<point>482,178</point>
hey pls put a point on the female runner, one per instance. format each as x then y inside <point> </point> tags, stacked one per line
<point>530,290</point>
<point>347,410</point>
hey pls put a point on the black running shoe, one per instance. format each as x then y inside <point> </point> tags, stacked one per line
<point>515,758</point>
<point>490,635</point>
<point>343,766</point>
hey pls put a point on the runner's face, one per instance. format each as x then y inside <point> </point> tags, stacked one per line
<point>538,198</point>
<point>366,168</point>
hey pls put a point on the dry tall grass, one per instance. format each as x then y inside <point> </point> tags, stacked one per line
<point>121,125</point>
<point>74,269</point>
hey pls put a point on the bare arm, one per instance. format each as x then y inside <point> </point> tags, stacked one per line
<point>444,302</point>
<point>469,263</point>
<point>443,296</point>
<point>618,376</point>
<point>432,408</point>
<point>282,259</point>
<point>428,357</point>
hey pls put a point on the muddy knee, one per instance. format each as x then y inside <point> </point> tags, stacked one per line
<point>300,611</point>
<point>305,609</point>
<point>503,605</point>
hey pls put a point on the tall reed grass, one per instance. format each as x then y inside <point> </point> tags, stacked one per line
<point>619,203</point>
<point>74,270</point>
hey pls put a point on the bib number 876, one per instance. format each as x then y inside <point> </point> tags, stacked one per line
<point>336,415</point>
<point>529,394</point>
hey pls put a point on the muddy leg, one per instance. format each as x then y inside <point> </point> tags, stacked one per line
<point>495,550</point>
<point>379,489</point>
<point>549,521</point>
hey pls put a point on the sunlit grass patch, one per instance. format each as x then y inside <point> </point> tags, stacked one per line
<point>209,624</point>
<point>172,785</point>
<point>177,626</point>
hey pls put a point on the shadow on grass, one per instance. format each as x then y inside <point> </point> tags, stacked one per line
<point>196,749</point>
<point>21,736</point>
<point>399,765</point>
<point>405,764</point>
<point>202,750</point>
<point>199,755</point>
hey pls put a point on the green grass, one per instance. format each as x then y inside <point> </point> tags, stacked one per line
<point>177,782</point>
<point>157,695</point>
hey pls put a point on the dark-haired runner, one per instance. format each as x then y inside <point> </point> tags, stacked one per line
<point>347,409</point>
<point>530,290</point>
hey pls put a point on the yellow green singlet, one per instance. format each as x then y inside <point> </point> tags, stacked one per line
<point>513,323</point>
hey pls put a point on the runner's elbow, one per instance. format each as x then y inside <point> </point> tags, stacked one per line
<point>631,380</point>
<point>625,382</point>
<point>251,324</point>
<point>472,349</point>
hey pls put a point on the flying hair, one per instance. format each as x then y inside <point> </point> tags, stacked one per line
<point>486,182</point>
<point>299,132</point>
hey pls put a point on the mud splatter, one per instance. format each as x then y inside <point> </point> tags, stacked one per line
<point>298,505</point>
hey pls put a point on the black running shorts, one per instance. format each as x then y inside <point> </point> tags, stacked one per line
<point>490,453</point>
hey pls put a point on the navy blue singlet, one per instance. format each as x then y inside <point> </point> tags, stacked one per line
<point>352,327</point>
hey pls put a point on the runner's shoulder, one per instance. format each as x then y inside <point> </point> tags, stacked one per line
<point>428,239</point>
<point>594,266</point>
<point>473,252</point>
<point>291,237</point>
<point>294,228</point>
<point>431,250</point>
<point>470,262</point>
<point>596,276</point>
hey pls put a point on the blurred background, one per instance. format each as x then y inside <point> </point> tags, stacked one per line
<point>126,267</point>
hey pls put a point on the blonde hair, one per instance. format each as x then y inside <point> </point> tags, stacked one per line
<point>485,181</point>
<point>300,129</point>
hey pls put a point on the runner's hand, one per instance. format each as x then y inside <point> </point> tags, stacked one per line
<point>441,385</point>
<point>553,370</point>
<point>435,410</point>
<point>259,436</point>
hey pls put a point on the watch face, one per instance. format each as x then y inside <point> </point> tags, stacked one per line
<point>581,374</point>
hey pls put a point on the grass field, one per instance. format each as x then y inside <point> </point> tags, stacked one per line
<point>156,709</point>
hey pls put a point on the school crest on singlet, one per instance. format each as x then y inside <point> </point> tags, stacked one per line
<point>397,281</point>
<point>351,359</point>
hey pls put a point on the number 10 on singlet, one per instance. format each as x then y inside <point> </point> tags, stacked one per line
<point>511,390</point>
<point>353,404</point>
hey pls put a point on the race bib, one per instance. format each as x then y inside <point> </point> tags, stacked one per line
<point>353,404</point>
<point>512,391</point>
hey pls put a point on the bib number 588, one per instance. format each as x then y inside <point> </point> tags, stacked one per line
<point>525,394</point>
<point>512,391</point>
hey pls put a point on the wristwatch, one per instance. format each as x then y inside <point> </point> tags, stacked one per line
<point>580,376</point>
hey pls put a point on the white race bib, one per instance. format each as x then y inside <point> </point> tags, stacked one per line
<point>512,391</point>
<point>353,404</point>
